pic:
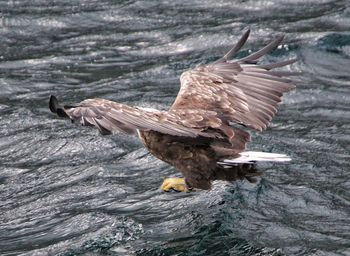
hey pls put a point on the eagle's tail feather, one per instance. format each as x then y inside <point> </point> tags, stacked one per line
<point>252,157</point>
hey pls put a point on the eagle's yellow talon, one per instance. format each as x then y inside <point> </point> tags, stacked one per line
<point>177,184</point>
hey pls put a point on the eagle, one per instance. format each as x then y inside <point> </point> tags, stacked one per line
<point>205,131</point>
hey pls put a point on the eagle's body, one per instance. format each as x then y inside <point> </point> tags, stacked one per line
<point>191,157</point>
<point>196,135</point>
<point>188,157</point>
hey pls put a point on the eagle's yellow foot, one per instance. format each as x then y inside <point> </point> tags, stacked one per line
<point>177,184</point>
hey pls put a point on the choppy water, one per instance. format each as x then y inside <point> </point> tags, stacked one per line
<point>67,190</point>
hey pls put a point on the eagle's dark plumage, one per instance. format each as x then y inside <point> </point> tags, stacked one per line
<point>196,134</point>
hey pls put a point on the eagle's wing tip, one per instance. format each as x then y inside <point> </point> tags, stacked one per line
<point>56,108</point>
<point>53,104</point>
<point>247,30</point>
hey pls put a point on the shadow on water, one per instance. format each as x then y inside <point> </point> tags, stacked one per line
<point>66,190</point>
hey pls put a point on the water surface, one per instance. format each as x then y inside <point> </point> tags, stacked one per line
<point>66,190</point>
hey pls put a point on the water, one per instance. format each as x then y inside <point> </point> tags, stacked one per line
<point>66,190</point>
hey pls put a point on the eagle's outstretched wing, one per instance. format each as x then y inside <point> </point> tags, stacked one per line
<point>239,91</point>
<point>109,117</point>
<point>210,98</point>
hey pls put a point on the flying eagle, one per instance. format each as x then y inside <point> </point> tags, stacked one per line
<point>202,133</point>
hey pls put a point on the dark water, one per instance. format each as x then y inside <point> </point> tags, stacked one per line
<point>67,190</point>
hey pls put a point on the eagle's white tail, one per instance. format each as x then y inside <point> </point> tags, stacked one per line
<point>252,157</point>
